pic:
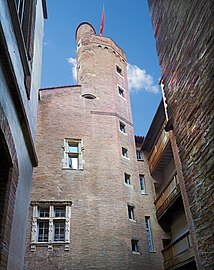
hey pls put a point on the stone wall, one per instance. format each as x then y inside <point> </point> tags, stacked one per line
<point>184,38</point>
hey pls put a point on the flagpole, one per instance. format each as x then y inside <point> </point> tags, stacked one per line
<point>102,22</point>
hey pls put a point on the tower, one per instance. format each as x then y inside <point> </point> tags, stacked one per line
<point>87,209</point>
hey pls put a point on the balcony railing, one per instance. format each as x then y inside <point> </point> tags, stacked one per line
<point>178,252</point>
<point>167,196</point>
<point>158,149</point>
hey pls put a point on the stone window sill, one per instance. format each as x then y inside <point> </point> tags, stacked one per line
<point>49,245</point>
<point>70,169</point>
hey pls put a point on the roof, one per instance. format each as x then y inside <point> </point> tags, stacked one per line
<point>57,87</point>
<point>139,141</point>
<point>155,128</point>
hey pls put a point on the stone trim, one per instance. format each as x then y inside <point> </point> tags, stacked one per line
<point>50,243</point>
<point>113,114</point>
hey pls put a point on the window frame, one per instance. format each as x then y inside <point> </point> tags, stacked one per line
<point>127,179</point>
<point>119,70</point>
<point>121,91</point>
<point>24,29</point>
<point>139,155</point>
<point>58,221</point>
<point>42,222</point>
<point>125,152</point>
<point>135,245</point>
<point>122,127</point>
<point>142,184</point>
<point>52,219</point>
<point>149,234</point>
<point>69,155</point>
<point>131,213</point>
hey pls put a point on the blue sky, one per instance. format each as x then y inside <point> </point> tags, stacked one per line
<point>128,24</point>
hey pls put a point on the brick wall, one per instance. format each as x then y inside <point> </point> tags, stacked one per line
<point>101,231</point>
<point>8,184</point>
<point>184,38</point>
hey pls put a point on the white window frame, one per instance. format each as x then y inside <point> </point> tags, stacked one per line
<point>124,152</point>
<point>131,214</point>
<point>127,179</point>
<point>149,234</point>
<point>142,184</point>
<point>79,44</point>
<point>52,219</point>
<point>68,155</point>
<point>135,246</point>
<point>139,155</point>
<point>120,73</point>
<point>123,91</point>
<point>122,127</point>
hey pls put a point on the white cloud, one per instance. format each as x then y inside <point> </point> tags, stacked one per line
<point>73,63</point>
<point>139,80</point>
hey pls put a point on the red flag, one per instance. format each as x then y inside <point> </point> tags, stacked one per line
<point>102,23</point>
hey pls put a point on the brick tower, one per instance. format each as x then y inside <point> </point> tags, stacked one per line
<point>87,208</point>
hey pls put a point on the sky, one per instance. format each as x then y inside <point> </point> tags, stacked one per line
<point>128,23</point>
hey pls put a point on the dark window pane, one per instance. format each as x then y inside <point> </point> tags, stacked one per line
<point>127,179</point>
<point>135,245</point>
<point>59,211</point>
<point>43,211</point>
<point>59,231</point>
<point>131,212</point>
<point>43,231</point>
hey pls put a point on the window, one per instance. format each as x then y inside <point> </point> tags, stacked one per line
<point>43,223</point>
<point>59,230</point>
<point>127,179</point>
<point>119,70</point>
<point>43,227</point>
<point>59,211</point>
<point>131,212</point>
<point>23,14</point>
<point>139,155</point>
<point>79,44</point>
<point>89,96</point>
<point>121,91</point>
<point>51,223</point>
<point>73,154</point>
<point>124,152</point>
<point>149,234</point>
<point>142,184</point>
<point>43,211</point>
<point>134,244</point>
<point>122,127</point>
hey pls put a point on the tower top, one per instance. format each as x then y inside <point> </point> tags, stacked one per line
<point>87,28</point>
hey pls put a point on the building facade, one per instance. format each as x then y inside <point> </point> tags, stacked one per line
<point>21,33</point>
<point>184,38</point>
<point>92,199</point>
<point>161,153</point>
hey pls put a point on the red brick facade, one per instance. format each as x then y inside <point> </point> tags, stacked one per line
<point>184,37</point>
<point>100,228</point>
<point>9,175</point>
